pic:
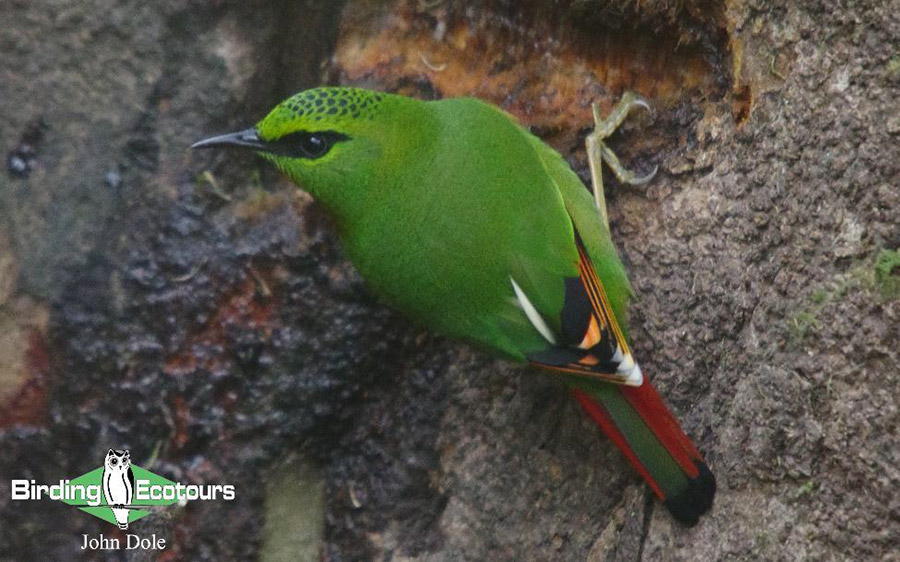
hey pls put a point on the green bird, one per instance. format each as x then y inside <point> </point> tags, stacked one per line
<point>460,218</point>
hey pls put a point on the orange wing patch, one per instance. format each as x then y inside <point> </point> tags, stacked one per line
<point>593,335</point>
<point>598,297</point>
<point>602,352</point>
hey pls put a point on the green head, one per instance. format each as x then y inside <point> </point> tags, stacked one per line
<point>333,142</point>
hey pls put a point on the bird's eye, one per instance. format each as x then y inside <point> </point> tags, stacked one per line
<point>113,462</point>
<point>314,145</point>
<point>304,144</point>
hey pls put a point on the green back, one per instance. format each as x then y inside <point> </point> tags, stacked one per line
<point>439,203</point>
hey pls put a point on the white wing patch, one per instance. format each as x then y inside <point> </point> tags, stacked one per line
<point>628,371</point>
<point>533,315</point>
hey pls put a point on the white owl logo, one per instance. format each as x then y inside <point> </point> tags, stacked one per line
<point>118,484</point>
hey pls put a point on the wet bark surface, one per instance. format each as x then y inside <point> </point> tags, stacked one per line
<point>195,309</point>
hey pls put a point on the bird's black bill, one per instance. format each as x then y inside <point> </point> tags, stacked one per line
<point>241,139</point>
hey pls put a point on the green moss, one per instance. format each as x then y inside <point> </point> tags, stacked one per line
<point>892,68</point>
<point>819,296</point>
<point>803,322</point>
<point>879,275</point>
<point>805,489</point>
<point>887,273</point>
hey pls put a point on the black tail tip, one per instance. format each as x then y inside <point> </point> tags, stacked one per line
<point>696,499</point>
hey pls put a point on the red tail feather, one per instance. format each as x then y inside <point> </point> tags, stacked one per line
<point>648,403</point>
<point>599,415</point>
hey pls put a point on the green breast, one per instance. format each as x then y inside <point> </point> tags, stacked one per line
<point>451,224</point>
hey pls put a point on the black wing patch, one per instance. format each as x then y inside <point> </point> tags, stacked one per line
<point>591,342</point>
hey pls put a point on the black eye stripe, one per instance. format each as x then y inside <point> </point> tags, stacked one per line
<point>305,144</point>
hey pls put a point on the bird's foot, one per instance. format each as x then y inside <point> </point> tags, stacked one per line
<point>598,152</point>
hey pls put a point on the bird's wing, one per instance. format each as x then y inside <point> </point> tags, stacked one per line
<point>633,415</point>
<point>587,337</point>
<point>590,341</point>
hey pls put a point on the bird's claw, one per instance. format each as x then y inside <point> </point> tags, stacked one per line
<point>598,152</point>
